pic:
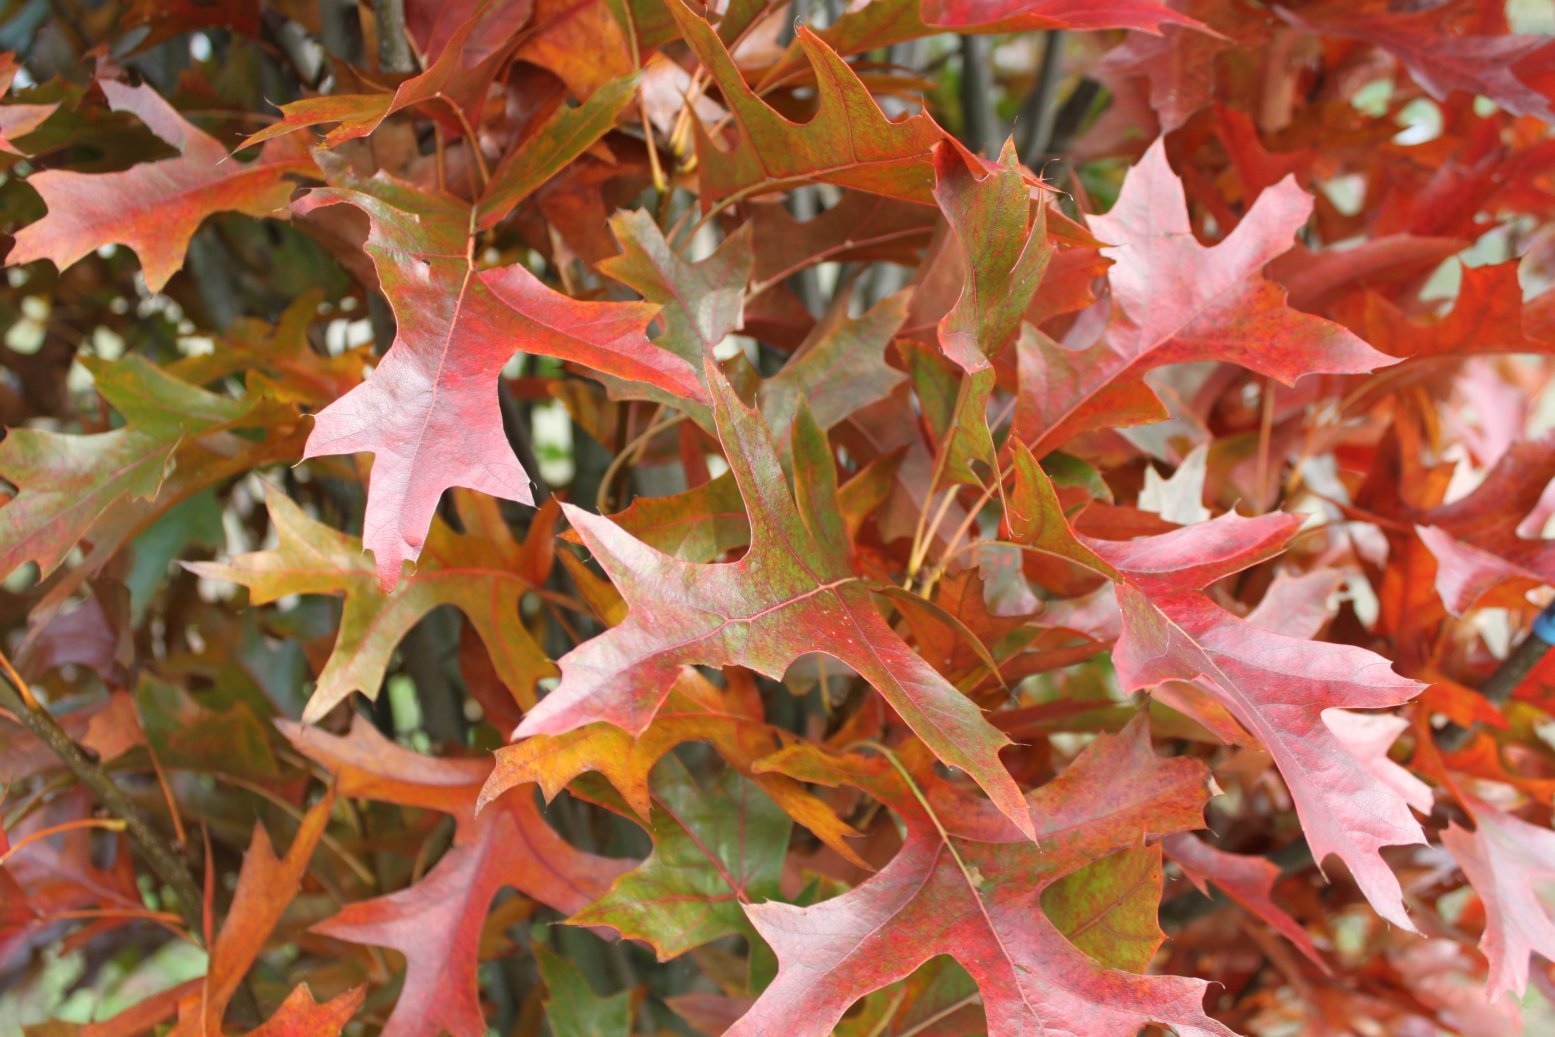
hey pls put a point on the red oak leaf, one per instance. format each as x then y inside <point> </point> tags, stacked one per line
<point>694,711</point>
<point>1486,318</point>
<point>1443,62</point>
<point>1179,62</point>
<point>1247,880</point>
<point>1176,300</point>
<point>436,923</point>
<point>1014,15</point>
<point>967,884</point>
<point>1277,686</point>
<point>429,413</point>
<point>1506,860</point>
<point>792,593</point>
<point>1002,237</point>
<point>849,141</point>
<point>884,22</point>
<point>18,120</point>
<point>455,82</point>
<point>1481,553</point>
<point>266,885</point>
<point>155,207</point>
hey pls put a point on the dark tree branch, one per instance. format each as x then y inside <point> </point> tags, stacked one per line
<point>1034,130</point>
<point>977,117</point>
<point>341,30</point>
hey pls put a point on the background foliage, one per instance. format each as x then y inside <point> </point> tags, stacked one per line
<point>913,518</point>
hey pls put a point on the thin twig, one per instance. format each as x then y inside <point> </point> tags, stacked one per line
<point>1514,669</point>
<point>158,853</point>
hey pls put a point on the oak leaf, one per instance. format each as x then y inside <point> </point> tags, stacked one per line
<point>429,413</point>
<point>966,883</point>
<point>1506,860</point>
<point>792,593</point>
<point>18,120</point>
<point>155,207</point>
<point>468,572</point>
<point>694,711</point>
<point>436,922</point>
<point>1279,687</point>
<point>1175,300</point>
<point>1442,62</point>
<point>714,851</point>
<point>849,141</point>
<point>266,884</point>
<point>1247,880</point>
<point>572,1008</point>
<point>885,22</point>
<point>1481,552</point>
<point>71,485</point>
<point>301,1016</point>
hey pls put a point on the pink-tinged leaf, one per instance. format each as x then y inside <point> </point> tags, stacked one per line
<point>1176,300</point>
<point>1280,688</point>
<point>436,922</point>
<point>429,412</point>
<point>155,207</point>
<point>966,884</point>
<point>1441,61</point>
<point>1481,555</point>
<point>792,593</point>
<point>18,120</point>
<point>1506,860</point>
<point>1298,605</point>
<point>1249,881</point>
<point>1368,737</point>
<point>1178,62</point>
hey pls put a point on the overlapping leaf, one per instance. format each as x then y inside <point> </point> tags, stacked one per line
<point>792,593</point>
<point>714,851</point>
<point>849,141</point>
<point>155,207</point>
<point>966,882</point>
<point>429,414</point>
<point>464,571</point>
<point>1278,686</point>
<point>175,438</point>
<point>1176,300</point>
<point>436,923</point>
